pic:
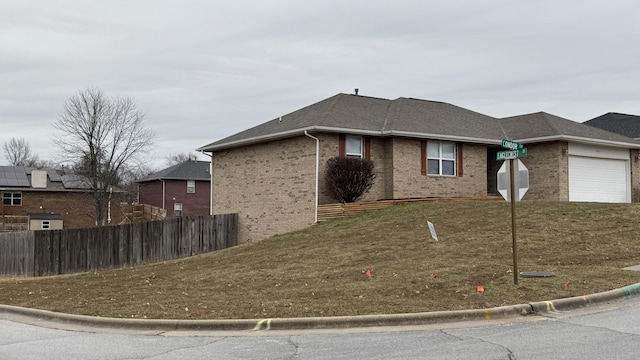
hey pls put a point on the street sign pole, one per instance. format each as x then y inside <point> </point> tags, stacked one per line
<point>513,221</point>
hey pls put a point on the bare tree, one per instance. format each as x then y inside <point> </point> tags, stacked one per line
<point>18,153</point>
<point>175,159</point>
<point>103,137</point>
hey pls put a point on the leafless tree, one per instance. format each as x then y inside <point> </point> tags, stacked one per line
<point>103,136</point>
<point>18,153</point>
<point>175,159</point>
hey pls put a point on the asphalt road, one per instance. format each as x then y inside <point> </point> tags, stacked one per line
<point>603,332</point>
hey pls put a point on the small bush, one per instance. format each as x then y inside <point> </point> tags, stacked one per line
<point>347,179</point>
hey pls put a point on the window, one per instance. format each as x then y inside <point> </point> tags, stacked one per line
<point>12,198</point>
<point>177,209</point>
<point>46,225</point>
<point>441,158</point>
<point>191,186</point>
<point>354,146</point>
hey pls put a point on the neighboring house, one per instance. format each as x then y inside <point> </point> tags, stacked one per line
<point>31,194</point>
<point>623,124</point>
<point>269,174</point>
<point>182,190</point>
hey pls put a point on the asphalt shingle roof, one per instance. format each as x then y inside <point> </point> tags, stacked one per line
<point>623,124</point>
<point>188,170</point>
<point>541,126</point>
<point>410,117</point>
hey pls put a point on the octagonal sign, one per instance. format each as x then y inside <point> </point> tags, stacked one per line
<point>521,180</point>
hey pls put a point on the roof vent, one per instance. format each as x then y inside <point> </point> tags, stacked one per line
<point>39,179</point>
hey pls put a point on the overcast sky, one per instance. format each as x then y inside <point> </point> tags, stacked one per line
<point>202,70</point>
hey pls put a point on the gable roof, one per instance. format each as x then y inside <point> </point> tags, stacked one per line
<point>540,126</point>
<point>408,117</point>
<point>188,170</point>
<point>623,124</point>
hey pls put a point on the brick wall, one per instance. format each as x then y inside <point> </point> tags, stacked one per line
<point>409,182</point>
<point>193,204</point>
<point>77,208</point>
<point>329,148</point>
<point>270,185</point>
<point>548,171</point>
<point>150,193</point>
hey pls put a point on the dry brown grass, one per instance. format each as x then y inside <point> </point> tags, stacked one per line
<point>320,271</point>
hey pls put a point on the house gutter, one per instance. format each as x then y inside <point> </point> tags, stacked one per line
<point>306,130</point>
<point>211,180</point>
<point>579,139</point>
<point>315,220</point>
<point>284,135</point>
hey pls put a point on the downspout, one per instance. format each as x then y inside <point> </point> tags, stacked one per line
<point>163,195</point>
<point>317,170</point>
<point>211,185</point>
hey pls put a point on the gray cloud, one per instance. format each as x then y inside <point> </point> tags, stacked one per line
<point>203,70</point>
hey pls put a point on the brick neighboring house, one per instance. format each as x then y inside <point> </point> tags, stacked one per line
<point>420,148</point>
<point>623,124</point>
<point>27,191</point>
<point>183,189</point>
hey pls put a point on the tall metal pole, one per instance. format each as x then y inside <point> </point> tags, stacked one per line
<point>513,221</point>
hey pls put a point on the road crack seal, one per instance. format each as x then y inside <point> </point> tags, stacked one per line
<point>296,347</point>
<point>510,354</point>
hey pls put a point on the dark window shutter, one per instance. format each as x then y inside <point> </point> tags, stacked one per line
<point>459,159</point>
<point>342,147</point>
<point>423,157</point>
<point>367,148</point>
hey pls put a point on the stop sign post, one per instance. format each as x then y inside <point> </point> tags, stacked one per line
<point>513,183</point>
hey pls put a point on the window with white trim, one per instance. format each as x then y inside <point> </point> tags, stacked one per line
<point>12,198</point>
<point>46,225</point>
<point>353,146</point>
<point>441,158</point>
<point>177,209</point>
<point>191,186</point>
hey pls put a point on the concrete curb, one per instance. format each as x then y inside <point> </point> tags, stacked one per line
<point>334,322</point>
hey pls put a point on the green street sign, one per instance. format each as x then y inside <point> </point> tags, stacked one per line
<point>512,145</point>
<point>511,154</point>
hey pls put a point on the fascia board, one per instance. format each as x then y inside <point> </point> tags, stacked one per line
<point>580,140</point>
<point>443,137</point>
<point>286,134</point>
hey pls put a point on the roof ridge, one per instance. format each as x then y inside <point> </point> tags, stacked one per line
<point>389,111</point>
<point>546,117</point>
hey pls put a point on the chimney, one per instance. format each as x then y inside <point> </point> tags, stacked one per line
<point>39,179</point>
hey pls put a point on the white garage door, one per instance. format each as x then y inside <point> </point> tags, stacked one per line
<point>598,180</point>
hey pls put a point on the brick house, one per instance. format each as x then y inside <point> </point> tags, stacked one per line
<point>183,189</point>
<point>272,174</point>
<point>32,192</point>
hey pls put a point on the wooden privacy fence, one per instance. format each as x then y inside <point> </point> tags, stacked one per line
<point>54,252</point>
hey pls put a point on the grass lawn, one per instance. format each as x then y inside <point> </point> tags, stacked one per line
<point>320,271</point>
